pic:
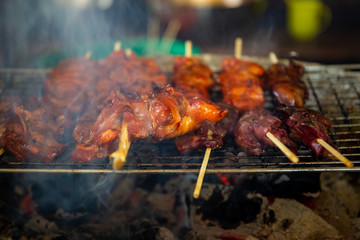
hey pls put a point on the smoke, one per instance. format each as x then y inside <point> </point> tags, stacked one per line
<point>31,29</point>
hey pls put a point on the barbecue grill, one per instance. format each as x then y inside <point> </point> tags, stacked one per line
<point>334,90</point>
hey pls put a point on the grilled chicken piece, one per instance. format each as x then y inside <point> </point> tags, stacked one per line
<point>241,84</point>
<point>66,87</point>
<point>306,126</point>
<point>209,135</point>
<point>286,84</point>
<point>250,131</point>
<point>162,115</point>
<point>31,135</point>
<point>192,78</point>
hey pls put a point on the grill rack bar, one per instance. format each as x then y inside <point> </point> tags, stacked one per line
<point>341,107</point>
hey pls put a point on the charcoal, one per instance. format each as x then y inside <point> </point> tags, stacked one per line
<point>231,212</point>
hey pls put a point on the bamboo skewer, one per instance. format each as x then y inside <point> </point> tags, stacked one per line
<point>170,34</point>
<point>202,173</point>
<point>238,48</point>
<point>188,48</point>
<point>274,59</point>
<point>196,194</point>
<point>334,152</point>
<point>88,54</point>
<point>118,157</point>
<point>289,154</point>
<point>117,46</point>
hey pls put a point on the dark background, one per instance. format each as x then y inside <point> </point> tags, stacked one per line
<point>31,29</point>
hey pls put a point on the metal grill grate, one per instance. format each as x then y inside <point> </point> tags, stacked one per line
<point>334,91</point>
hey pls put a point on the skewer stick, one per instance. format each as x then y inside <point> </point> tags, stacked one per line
<point>289,154</point>
<point>196,194</point>
<point>188,48</point>
<point>88,54</point>
<point>117,46</point>
<point>334,152</point>
<point>273,58</point>
<point>128,52</point>
<point>238,48</point>
<point>118,157</point>
<point>170,34</point>
<point>202,173</point>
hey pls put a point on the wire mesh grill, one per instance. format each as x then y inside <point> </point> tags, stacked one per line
<point>334,91</point>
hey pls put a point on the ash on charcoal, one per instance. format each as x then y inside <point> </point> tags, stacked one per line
<point>230,212</point>
<point>296,221</point>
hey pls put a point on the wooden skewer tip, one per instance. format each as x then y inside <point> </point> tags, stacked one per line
<point>273,58</point>
<point>88,54</point>
<point>238,48</point>
<point>202,173</point>
<point>117,46</point>
<point>289,154</point>
<point>334,152</point>
<point>118,157</point>
<point>188,48</point>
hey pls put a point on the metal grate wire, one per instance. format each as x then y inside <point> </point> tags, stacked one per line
<point>334,91</point>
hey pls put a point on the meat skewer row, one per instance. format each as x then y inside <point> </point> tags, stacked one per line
<point>124,71</point>
<point>252,133</point>
<point>163,115</point>
<point>243,80</point>
<point>310,128</point>
<point>306,126</point>
<point>34,129</point>
<point>286,84</point>
<point>194,79</point>
<point>30,133</point>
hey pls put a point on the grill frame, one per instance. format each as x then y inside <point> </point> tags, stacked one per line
<point>341,107</point>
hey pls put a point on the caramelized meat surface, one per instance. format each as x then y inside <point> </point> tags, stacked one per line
<point>162,115</point>
<point>286,84</point>
<point>305,126</point>
<point>241,84</point>
<point>250,131</point>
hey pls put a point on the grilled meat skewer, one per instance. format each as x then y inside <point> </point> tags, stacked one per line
<point>165,114</point>
<point>306,126</point>
<point>251,129</point>
<point>241,84</point>
<point>286,84</point>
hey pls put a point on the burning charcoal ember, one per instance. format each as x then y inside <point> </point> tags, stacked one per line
<point>306,126</point>
<point>250,131</point>
<point>241,84</point>
<point>286,84</point>
<point>31,135</point>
